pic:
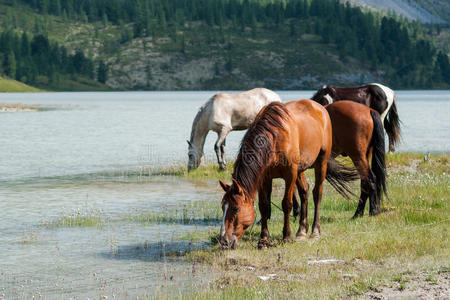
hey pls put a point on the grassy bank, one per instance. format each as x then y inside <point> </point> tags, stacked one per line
<point>410,238</point>
<point>13,86</point>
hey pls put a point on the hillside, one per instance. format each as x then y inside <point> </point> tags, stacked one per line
<point>158,45</point>
<point>426,11</point>
<point>10,85</point>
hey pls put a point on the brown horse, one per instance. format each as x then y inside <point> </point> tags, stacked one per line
<point>376,96</point>
<point>358,132</point>
<point>284,141</point>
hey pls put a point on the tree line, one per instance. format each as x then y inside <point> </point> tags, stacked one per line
<point>25,58</point>
<point>394,44</point>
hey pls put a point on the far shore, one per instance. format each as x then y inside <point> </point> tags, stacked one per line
<point>18,107</point>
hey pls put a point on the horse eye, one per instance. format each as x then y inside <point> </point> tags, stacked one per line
<point>234,209</point>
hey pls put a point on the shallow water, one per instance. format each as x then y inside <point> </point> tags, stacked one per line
<point>86,153</point>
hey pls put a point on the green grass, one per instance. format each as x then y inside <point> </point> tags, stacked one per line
<point>410,236</point>
<point>79,218</point>
<point>13,86</point>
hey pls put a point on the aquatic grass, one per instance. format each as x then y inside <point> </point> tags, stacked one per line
<point>29,237</point>
<point>78,218</point>
<point>195,213</point>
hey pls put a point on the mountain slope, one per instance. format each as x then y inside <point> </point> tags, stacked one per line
<point>233,44</point>
<point>426,11</point>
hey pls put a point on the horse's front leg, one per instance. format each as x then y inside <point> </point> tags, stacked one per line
<point>264,195</point>
<point>290,180</point>
<point>222,150</point>
<point>221,135</point>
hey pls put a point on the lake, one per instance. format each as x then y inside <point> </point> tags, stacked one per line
<point>85,154</point>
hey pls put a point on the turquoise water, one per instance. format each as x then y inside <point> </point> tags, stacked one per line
<point>90,153</point>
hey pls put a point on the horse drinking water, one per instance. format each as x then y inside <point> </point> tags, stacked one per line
<point>223,113</point>
<point>284,141</point>
<point>376,96</point>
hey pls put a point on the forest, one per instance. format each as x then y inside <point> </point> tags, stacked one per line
<point>398,47</point>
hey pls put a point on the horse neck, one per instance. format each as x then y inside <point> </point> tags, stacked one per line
<point>250,175</point>
<point>200,128</point>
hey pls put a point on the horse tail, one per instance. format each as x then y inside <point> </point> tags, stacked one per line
<point>392,125</point>
<point>378,157</point>
<point>339,176</point>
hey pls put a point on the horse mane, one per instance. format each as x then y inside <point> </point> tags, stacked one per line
<point>257,145</point>
<point>199,114</point>
<point>316,95</point>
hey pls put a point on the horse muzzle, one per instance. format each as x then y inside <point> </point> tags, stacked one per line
<point>228,243</point>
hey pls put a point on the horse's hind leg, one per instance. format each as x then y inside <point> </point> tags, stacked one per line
<point>320,171</point>
<point>303,188</point>
<point>221,135</point>
<point>264,195</point>
<point>367,188</point>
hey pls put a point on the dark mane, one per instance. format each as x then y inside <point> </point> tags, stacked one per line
<point>316,95</point>
<point>257,145</point>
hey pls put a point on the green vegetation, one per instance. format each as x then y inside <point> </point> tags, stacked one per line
<point>10,85</point>
<point>279,44</point>
<point>79,218</point>
<point>190,214</point>
<point>410,237</point>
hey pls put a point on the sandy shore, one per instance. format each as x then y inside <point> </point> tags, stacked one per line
<point>16,108</point>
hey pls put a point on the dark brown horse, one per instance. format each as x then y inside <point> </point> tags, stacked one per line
<point>358,132</point>
<point>284,141</point>
<point>376,96</point>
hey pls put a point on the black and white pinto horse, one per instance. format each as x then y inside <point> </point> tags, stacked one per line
<point>376,96</point>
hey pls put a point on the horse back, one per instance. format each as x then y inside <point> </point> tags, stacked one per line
<point>238,111</point>
<point>352,126</point>
<point>310,131</point>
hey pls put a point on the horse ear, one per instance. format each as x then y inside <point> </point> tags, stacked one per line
<point>189,143</point>
<point>237,187</point>
<point>225,186</point>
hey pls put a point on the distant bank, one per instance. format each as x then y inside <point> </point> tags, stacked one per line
<point>10,85</point>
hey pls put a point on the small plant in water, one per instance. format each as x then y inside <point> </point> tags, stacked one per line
<point>79,218</point>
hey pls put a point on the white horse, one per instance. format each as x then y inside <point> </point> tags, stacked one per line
<point>223,113</point>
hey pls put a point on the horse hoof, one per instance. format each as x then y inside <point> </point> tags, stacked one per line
<point>222,167</point>
<point>315,234</point>
<point>287,240</point>
<point>301,237</point>
<point>264,244</point>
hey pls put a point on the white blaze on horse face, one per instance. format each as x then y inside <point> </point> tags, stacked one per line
<point>222,228</point>
<point>329,99</point>
<point>390,95</point>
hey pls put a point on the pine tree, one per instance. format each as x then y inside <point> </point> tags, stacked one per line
<point>102,72</point>
<point>9,65</point>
